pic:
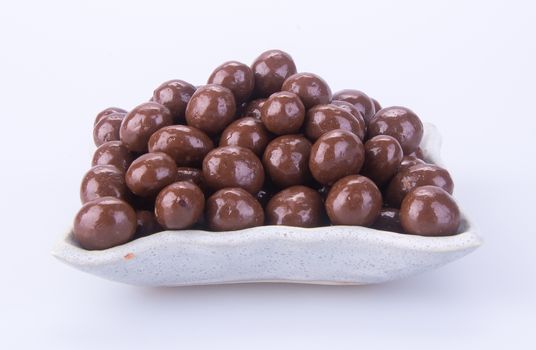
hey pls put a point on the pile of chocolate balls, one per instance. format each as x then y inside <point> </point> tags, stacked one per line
<point>259,145</point>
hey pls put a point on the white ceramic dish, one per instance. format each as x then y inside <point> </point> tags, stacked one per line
<point>323,255</point>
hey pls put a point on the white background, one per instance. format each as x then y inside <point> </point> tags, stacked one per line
<point>468,67</point>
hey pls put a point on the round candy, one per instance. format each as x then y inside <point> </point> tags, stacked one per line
<point>336,154</point>
<point>295,206</point>
<point>323,118</point>
<point>286,160</point>
<point>211,108</point>
<point>409,161</point>
<point>235,76</point>
<point>429,211</point>
<point>146,223</point>
<point>312,89</point>
<point>232,209</point>
<point>141,122</point>
<point>233,166</point>
<point>179,205</point>
<point>103,181</point>
<point>283,113</point>
<point>246,132</point>
<point>193,175</point>
<point>185,144</point>
<point>253,108</point>
<point>104,223</point>
<point>383,155</point>
<point>108,111</point>
<point>400,123</point>
<point>360,100</point>
<point>174,94</point>
<point>270,70</point>
<point>376,104</point>
<point>388,220</point>
<point>113,153</point>
<point>347,106</point>
<point>107,129</point>
<point>149,173</point>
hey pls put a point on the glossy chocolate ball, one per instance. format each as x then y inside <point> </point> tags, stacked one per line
<point>107,129</point>
<point>286,160</point>
<point>376,104</point>
<point>193,175</point>
<point>174,94</point>
<point>383,155</point>
<point>185,144</point>
<point>113,153</point>
<point>270,70</point>
<point>179,205</point>
<point>246,132</point>
<point>416,176</point>
<point>400,123</point>
<point>232,209</point>
<point>429,211</point>
<point>295,206</point>
<point>103,181</point>
<point>360,100</point>
<point>283,113</point>
<point>409,161</point>
<point>388,220</point>
<point>312,89</point>
<point>211,108</point>
<point>354,200</point>
<point>108,111</point>
<point>347,106</point>
<point>233,166</point>
<point>146,223</point>
<point>149,173</point>
<point>336,154</point>
<point>323,118</point>
<point>253,108</point>
<point>141,122</point>
<point>235,76</point>
<point>104,223</point>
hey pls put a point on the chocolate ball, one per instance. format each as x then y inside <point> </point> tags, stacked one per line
<point>141,122</point>
<point>104,223</point>
<point>113,153</point>
<point>429,211</point>
<point>149,173</point>
<point>336,154</point>
<point>235,76</point>
<point>354,200</point>
<point>323,118</point>
<point>232,209</point>
<point>283,113</point>
<point>179,205</point>
<point>270,70</point>
<point>246,132</point>
<point>400,123</point>
<point>383,155</point>
<point>360,100</point>
<point>312,89</point>
<point>295,206</point>
<point>108,111</point>
<point>376,104</point>
<point>253,108</point>
<point>348,107</point>
<point>416,176</point>
<point>233,166</point>
<point>146,223</point>
<point>103,181</point>
<point>286,160</point>
<point>211,108</point>
<point>185,144</point>
<point>388,220</point>
<point>107,129</point>
<point>409,161</point>
<point>193,175</point>
<point>174,94</point>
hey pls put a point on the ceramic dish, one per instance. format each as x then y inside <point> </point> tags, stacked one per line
<point>322,255</point>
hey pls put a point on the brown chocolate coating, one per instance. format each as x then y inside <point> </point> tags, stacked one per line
<point>354,200</point>
<point>193,175</point>
<point>429,211</point>
<point>417,153</point>
<point>233,166</point>
<point>149,173</point>
<point>336,154</point>
<point>383,155</point>
<point>235,76</point>
<point>416,176</point>
<point>146,223</point>
<point>141,122</point>
<point>232,209</point>
<point>388,220</point>
<point>286,160</point>
<point>107,129</point>
<point>409,161</point>
<point>283,113</point>
<point>179,205</point>
<point>347,106</point>
<point>103,181</point>
<point>360,100</point>
<point>113,153</point>
<point>185,144</point>
<point>174,94</point>
<point>104,223</point>
<point>108,111</point>
<point>323,118</point>
<point>400,123</point>
<point>253,108</point>
<point>295,206</point>
<point>312,89</point>
<point>376,104</point>
<point>246,132</point>
<point>211,108</point>
<point>270,70</point>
